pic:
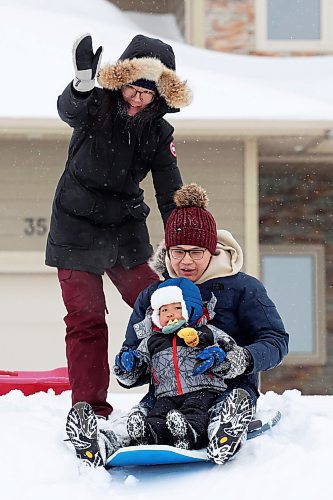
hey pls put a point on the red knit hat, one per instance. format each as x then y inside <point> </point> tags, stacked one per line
<point>190,223</point>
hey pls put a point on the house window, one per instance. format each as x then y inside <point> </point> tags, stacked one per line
<point>293,20</point>
<point>294,25</point>
<point>294,277</point>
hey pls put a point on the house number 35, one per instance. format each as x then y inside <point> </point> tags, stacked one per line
<point>35,226</point>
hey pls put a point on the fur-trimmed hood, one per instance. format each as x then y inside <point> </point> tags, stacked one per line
<point>227,261</point>
<point>150,59</point>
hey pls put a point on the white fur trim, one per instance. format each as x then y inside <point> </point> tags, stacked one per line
<point>163,296</point>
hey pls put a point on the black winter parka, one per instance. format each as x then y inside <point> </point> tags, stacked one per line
<point>98,213</point>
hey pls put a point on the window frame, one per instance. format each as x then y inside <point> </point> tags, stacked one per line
<point>317,252</point>
<point>325,44</point>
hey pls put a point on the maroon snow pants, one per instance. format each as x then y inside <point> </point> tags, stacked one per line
<point>86,328</point>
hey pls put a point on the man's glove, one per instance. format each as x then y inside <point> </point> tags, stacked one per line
<point>128,359</point>
<point>86,63</point>
<point>190,336</point>
<point>208,358</point>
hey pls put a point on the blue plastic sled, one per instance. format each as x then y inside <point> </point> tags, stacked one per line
<point>154,455</point>
<point>164,454</point>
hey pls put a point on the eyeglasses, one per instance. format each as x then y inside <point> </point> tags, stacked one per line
<point>146,96</point>
<point>179,253</point>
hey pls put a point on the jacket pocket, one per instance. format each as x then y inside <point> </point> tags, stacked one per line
<point>102,209</point>
<point>67,230</point>
<point>64,274</point>
<point>75,199</point>
<point>271,314</point>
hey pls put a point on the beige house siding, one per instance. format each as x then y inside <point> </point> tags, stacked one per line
<point>29,171</point>
<point>218,167</point>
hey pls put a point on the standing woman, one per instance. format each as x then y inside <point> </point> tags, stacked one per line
<point>98,221</point>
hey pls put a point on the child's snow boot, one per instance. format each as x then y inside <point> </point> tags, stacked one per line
<point>182,433</point>
<point>137,428</point>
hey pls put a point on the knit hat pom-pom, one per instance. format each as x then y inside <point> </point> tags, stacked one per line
<point>191,195</point>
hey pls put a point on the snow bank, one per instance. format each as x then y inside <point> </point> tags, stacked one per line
<point>293,461</point>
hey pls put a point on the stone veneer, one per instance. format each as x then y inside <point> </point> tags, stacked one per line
<point>296,206</point>
<point>230,27</point>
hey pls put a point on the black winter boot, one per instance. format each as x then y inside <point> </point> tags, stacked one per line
<point>228,426</point>
<point>182,433</point>
<point>137,428</point>
<point>92,446</point>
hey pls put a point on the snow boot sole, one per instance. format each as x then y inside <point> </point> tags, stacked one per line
<point>81,428</point>
<point>230,428</point>
<point>181,432</point>
<point>137,428</point>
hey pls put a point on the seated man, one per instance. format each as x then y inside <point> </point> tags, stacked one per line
<point>212,259</point>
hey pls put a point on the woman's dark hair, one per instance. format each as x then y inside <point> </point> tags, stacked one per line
<point>156,109</point>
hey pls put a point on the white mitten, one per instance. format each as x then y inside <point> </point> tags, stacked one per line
<point>86,63</point>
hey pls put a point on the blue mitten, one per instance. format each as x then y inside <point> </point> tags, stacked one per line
<point>209,357</point>
<point>128,359</point>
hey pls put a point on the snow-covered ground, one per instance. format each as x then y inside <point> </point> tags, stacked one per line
<point>291,462</point>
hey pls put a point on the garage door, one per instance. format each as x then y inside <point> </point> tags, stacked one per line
<point>31,320</point>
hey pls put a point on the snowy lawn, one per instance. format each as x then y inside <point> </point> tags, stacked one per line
<point>293,461</point>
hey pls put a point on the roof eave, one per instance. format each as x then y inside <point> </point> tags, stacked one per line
<point>200,128</point>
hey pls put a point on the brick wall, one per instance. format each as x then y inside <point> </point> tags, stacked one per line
<point>296,206</point>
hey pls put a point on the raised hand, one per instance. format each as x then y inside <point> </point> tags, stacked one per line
<point>86,63</point>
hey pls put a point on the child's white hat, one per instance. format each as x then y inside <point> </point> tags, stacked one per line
<point>177,290</point>
<point>163,296</point>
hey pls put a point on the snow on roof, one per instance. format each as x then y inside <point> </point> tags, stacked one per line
<point>36,37</point>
